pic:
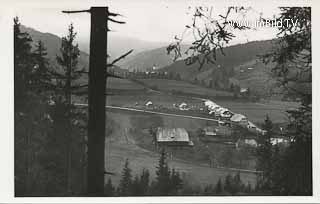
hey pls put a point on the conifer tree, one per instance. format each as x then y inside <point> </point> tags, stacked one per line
<point>42,76</point>
<point>31,118</point>
<point>23,65</point>
<point>294,69</point>
<point>163,176</point>
<point>144,181</point>
<point>135,187</point>
<point>264,153</point>
<point>219,187</point>
<point>67,126</point>
<point>176,182</point>
<point>126,180</point>
<point>237,184</point>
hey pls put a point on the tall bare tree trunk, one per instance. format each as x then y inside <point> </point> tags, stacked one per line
<point>97,100</point>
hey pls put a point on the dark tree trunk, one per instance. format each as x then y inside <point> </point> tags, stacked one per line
<point>97,88</point>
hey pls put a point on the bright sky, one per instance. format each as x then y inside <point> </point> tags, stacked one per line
<point>150,20</point>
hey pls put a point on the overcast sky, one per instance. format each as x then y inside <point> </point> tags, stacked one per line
<point>152,20</point>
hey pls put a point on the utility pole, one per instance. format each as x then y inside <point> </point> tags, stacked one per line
<point>97,97</point>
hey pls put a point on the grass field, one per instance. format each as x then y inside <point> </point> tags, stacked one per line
<point>184,87</point>
<point>124,84</point>
<point>256,112</point>
<point>143,98</point>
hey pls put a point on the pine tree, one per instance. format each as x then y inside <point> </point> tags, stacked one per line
<point>264,153</point>
<point>237,184</point>
<point>228,184</point>
<point>135,187</point>
<point>68,129</point>
<point>126,180</point>
<point>23,65</point>
<point>163,176</point>
<point>294,69</point>
<point>176,182</point>
<point>42,77</point>
<point>144,181</point>
<point>31,118</point>
<point>248,188</point>
<point>23,99</point>
<point>219,187</point>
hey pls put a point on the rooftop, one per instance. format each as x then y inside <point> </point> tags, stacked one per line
<point>172,135</point>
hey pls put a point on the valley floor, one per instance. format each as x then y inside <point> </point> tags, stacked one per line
<point>121,144</point>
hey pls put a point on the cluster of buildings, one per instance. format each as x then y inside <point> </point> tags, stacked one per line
<point>179,136</point>
<point>224,113</point>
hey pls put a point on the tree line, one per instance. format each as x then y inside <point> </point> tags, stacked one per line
<point>168,182</point>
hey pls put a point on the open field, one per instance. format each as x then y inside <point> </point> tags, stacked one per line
<point>116,83</point>
<point>136,94</point>
<point>184,87</point>
<point>143,98</point>
<point>256,112</point>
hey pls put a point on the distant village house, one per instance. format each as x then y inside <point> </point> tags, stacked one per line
<point>238,118</point>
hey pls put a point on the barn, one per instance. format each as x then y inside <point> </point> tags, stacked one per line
<point>173,137</point>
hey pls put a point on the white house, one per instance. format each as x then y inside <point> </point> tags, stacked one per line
<point>246,142</point>
<point>183,106</point>
<point>275,141</point>
<point>149,104</point>
<point>238,118</point>
<point>243,90</point>
<point>210,131</point>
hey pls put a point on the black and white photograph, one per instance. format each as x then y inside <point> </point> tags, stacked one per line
<point>149,100</point>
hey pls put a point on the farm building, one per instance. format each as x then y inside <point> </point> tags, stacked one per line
<point>279,140</point>
<point>183,106</point>
<point>217,131</point>
<point>260,131</point>
<point>251,125</point>
<point>238,118</point>
<point>210,131</point>
<point>216,110</point>
<point>216,134</point>
<point>246,143</point>
<point>253,128</point>
<point>173,137</point>
<point>149,104</point>
<point>243,90</point>
<point>210,104</point>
